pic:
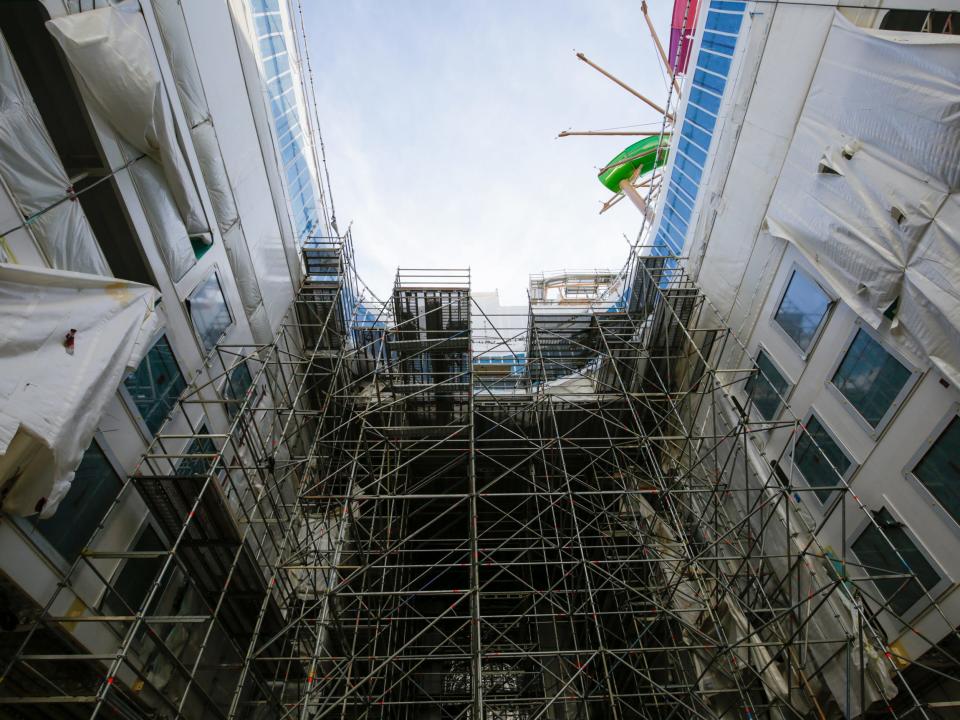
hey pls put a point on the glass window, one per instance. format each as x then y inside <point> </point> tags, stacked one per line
<point>133,582</point>
<point>238,382</point>
<point>802,310</point>
<point>939,469</point>
<point>208,310</point>
<point>878,560</point>
<point>814,449</point>
<point>156,384</point>
<point>870,378</point>
<point>765,387</point>
<point>197,465</point>
<point>94,487</point>
<point>724,22</point>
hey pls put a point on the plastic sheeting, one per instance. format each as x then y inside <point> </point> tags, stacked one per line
<point>243,270</point>
<point>186,75</point>
<point>868,192</point>
<point>52,396</point>
<point>163,218</point>
<point>32,170</point>
<point>110,49</point>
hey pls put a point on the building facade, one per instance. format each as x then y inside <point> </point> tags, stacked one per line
<point>812,192</point>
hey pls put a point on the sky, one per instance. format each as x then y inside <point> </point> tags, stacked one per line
<point>440,122</point>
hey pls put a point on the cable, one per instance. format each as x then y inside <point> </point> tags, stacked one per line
<point>71,195</point>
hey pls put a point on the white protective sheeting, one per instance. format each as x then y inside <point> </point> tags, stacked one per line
<point>868,192</point>
<point>32,170</point>
<point>51,396</point>
<point>243,270</point>
<point>110,49</point>
<point>162,216</point>
<point>186,75</point>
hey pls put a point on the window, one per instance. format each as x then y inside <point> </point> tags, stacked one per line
<point>132,583</point>
<point>870,378</point>
<point>766,386</point>
<point>199,466</point>
<point>802,310</point>
<point>814,449</point>
<point>939,469</point>
<point>876,557</point>
<point>208,310</point>
<point>235,389</point>
<point>156,384</point>
<point>94,487</point>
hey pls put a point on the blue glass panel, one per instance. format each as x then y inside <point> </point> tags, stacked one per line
<point>814,453</point>
<point>265,5</point>
<point>708,81</point>
<point>728,5</point>
<point>939,470</point>
<point>688,167</point>
<point>723,44</point>
<point>679,203</point>
<point>802,310</point>
<point>714,63</point>
<point>695,134</point>
<point>724,22</point>
<point>685,183</point>
<point>707,100</point>
<point>156,384</point>
<point>701,117</point>
<point>94,487</point>
<point>870,378</point>
<point>878,559</point>
<point>766,386</point>
<point>693,152</point>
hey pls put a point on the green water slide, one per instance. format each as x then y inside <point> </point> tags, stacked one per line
<point>641,155</point>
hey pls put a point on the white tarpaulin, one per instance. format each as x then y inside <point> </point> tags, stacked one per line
<point>52,395</point>
<point>186,75</point>
<point>868,192</point>
<point>162,216</point>
<point>32,170</point>
<point>110,50</point>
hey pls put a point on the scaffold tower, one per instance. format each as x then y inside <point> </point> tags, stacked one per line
<point>388,531</point>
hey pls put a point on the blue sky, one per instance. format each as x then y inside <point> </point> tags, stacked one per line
<point>440,120</point>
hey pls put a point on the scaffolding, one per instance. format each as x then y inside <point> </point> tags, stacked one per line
<point>386,532</point>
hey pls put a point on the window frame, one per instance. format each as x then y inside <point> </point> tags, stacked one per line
<point>204,352</point>
<point>908,471</point>
<point>919,606</point>
<point>873,432</point>
<point>39,540</point>
<point>127,398</point>
<point>854,465</point>
<point>148,523</point>
<point>795,268</point>
<point>749,402</point>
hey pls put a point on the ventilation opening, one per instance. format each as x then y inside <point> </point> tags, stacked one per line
<point>826,169</point>
<point>897,215</point>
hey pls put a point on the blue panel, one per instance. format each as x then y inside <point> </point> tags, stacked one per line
<point>689,168</point>
<point>728,5</point>
<point>723,44</point>
<point>724,22</point>
<point>679,203</point>
<point>709,81</point>
<point>695,153</point>
<point>685,183</point>
<point>695,134</point>
<point>706,100</point>
<point>701,117</point>
<point>714,63</point>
